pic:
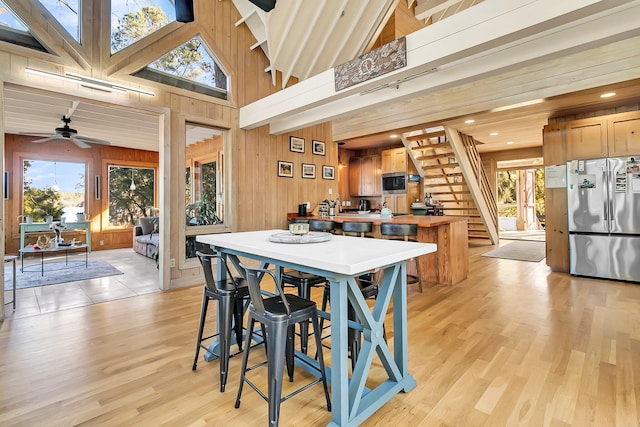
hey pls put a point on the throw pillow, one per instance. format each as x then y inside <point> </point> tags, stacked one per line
<point>146,224</point>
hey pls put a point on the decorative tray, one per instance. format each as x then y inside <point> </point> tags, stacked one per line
<point>310,237</point>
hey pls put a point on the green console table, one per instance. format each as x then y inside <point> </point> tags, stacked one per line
<point>44,226</point>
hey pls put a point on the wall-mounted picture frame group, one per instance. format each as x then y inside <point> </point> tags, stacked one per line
<point>308,170</point>
<point>328,172</point>
<point>296,144</point>
<point>285,169</point>
<point>319,147</point>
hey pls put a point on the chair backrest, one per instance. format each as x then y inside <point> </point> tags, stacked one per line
<point>253,283</point>
<point>400,230</point>
<point>322,225</point>
<point>230,284</point>
<point>357,227</point>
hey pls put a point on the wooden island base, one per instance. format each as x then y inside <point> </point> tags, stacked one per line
<point>450,263</point>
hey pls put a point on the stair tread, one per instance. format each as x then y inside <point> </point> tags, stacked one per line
<point>435,156</point>
<point>440,166</point>
<point>443,144</point>
<point>426,136</point>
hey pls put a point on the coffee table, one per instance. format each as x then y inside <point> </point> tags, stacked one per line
<point>55,249</point>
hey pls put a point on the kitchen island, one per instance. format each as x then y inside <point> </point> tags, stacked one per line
<point>450,263</point>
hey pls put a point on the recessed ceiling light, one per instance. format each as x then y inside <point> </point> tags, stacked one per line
<point>608,95</point>
<point>493,134</point>
<point>469,121</point>
<point>393,135</point>
<point>510,142</point>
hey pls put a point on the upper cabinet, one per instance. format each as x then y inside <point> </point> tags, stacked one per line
<point>364,176</point>
<point>394,160</point>
<point>605,136</point>
<point>587,138</point>
<point>624,134</point>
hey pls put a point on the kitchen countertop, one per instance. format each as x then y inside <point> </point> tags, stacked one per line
<point>449,264</point>
<point>420,220</point>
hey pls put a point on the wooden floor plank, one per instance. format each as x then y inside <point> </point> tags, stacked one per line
<point>513,344</point>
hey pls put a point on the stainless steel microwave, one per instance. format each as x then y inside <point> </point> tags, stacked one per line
<point>393,183</point>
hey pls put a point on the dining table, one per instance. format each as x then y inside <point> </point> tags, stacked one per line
<point>342,259</point>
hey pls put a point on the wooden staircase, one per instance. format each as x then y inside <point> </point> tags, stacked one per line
<point>452,172</point>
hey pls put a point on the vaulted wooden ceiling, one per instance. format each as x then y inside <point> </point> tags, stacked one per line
<point>304,38</point>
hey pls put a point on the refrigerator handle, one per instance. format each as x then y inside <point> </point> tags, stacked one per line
<point>606,202</point>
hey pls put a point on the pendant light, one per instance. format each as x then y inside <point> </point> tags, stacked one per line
<point>133,184</point>
<point>55,186</point>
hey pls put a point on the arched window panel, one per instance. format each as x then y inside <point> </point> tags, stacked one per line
<point>67,13</point>
<point>14,31</point>
<point>133,20</point>
<point>190,66</point>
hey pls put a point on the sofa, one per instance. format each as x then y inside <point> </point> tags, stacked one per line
<point>146,237</point>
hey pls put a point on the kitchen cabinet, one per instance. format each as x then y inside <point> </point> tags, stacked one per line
<point>394,160</point>
<point>614,135</point>
<point>586,138</point>
<point>364,176</point>
<point>398,203</point>
<point>624,134</point>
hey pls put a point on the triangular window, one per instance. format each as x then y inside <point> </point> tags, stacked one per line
<point>67,13</point>
<point>190,66</point>
<point>13,30</point>
<point>133,20</point>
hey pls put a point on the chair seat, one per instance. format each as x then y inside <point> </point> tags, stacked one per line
<point>299,278</point>
<point>237,284</point>
<point>276,310</point>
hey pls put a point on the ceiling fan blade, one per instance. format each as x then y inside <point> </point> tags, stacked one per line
<point>49,138</point>
<point>93,140</point>
<point>34,133</point>
<point>79,142</point>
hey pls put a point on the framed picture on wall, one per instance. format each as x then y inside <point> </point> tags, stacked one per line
<point>308,170</point>
<point>318,147</point>
<point>296,144</point>
<point>285,169</point>
<point>328,172</point>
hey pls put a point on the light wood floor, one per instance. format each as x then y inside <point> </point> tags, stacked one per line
<point>512,345</point>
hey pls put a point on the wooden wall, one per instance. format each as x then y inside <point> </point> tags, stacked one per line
<point>19,148</point>
<point>257,198</point>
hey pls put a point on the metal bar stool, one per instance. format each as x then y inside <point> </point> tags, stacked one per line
<point>406,232</point>
<point>278,316</point>
<point>305,281</point>
<point>230,295</point>
<point>359,228</point>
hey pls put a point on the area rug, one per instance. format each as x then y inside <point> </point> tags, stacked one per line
<point>520,251</point>
<point>56,272</point>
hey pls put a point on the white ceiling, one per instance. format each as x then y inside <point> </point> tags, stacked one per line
<point>35,112</point>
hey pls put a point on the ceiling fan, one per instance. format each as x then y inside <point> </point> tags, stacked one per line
<point>67,133</point>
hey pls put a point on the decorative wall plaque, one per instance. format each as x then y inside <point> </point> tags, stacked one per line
<point>382,60</point>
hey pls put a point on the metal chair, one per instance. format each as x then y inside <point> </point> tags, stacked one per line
<point>407,233</point>
<point>303,282</point>
<point>230,295</point>
<point>278,316</point>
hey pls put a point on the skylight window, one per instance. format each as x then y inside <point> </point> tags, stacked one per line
<point>67,12</point>
<point>13,30</point>
<point>131,20</point>
<point>9,20</point>
<point>190,66</point>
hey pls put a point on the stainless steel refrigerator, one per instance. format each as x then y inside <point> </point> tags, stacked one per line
<point>604,217</point>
